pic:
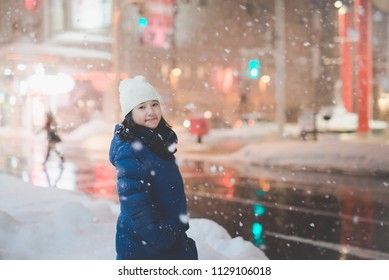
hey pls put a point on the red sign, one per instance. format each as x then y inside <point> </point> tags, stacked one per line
<point>31,4</point>
<point>198,126</point>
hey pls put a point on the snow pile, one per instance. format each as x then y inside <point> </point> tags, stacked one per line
<point>328,156</point>
<point>214,242</point>
<point>47,223</point>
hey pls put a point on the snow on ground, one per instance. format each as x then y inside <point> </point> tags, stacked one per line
<point>49,223</point>
<point>342,156</point>
<point>331,156</point>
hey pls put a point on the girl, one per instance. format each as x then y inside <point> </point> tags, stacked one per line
<point>153,219</point>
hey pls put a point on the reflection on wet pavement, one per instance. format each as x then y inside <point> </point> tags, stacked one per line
<point>294,220</point>
<point>289,215</point>
<point>77,173</point>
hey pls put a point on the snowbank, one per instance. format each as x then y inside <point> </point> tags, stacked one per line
<point>48,223</point>
<point>328,156</point>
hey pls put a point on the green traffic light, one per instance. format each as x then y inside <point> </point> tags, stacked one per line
<point>142,22</point>
<point>254,66</point>
<point>257,230</point>
<point>259,210</point>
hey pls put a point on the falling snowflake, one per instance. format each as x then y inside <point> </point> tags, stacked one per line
<point>184,218</point>
<point>137,145</point>
<point>172,148</point>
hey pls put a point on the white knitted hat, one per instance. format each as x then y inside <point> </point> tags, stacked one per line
<point>135,91</point>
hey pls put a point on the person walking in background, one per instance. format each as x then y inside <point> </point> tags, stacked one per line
<point>153,217</point>
<point>53,139</point>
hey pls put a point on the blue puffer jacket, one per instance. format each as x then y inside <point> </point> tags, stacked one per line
<point>152,222</point>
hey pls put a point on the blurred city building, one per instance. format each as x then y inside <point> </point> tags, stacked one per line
<point>215,56</point>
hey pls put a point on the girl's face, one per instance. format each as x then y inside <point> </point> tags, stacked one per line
<point>147,114</point>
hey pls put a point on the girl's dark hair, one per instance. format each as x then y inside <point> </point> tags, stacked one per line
<point>158,140</point>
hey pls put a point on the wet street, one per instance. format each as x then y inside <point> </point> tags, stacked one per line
<point>295,216</point>
<point>288,214</point>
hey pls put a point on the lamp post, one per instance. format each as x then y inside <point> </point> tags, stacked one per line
<point>112,101</point>
<point>280,64</point>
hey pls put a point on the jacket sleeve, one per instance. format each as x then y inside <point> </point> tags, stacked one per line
<point>137,203</point>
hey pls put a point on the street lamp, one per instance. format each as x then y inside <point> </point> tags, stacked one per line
<point>113,101</point>
<point>280,64</point>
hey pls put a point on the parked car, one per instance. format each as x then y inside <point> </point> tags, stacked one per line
<point>337,119</point>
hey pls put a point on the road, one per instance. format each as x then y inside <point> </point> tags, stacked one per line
<point>304,216</point>
<point>289,215</point>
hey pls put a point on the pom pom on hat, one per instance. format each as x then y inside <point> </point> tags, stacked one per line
<point>135,91</point>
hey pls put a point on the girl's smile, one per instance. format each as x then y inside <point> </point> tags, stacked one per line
<point>147,114</point>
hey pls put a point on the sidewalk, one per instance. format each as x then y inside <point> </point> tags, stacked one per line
<point>336,154</point>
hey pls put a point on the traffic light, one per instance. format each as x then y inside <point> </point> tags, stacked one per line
<point>155,23</point>
<point>142,21</point>
<point>254,68</point>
